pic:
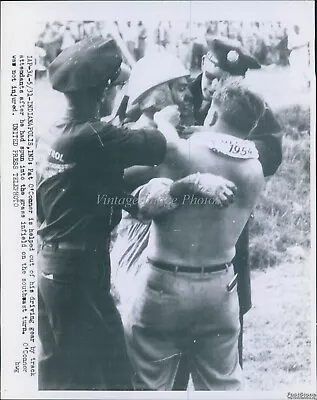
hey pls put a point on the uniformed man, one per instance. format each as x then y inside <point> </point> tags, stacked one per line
<point>226,58</point>
<point>82,341</point>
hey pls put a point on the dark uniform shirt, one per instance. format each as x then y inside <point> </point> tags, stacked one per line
<point>79,195</point>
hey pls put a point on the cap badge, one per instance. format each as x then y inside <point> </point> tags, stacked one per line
<point>233,56</point>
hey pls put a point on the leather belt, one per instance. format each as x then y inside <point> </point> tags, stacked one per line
<point>195,270</point>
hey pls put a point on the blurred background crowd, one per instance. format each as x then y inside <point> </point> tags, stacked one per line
<point>270,42</point>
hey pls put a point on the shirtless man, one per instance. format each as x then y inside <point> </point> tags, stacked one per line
<point>156,83</point>
<point>187,300</point>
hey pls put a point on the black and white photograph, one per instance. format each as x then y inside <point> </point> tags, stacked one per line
<point>172,200</point>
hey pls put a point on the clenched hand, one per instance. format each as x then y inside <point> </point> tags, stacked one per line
<point>169,114</point>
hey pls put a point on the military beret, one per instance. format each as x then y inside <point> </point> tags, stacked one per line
<point>230,56</point>
<point>88,63</point>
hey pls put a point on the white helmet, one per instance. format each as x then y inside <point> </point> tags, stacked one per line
<point>153,70</point>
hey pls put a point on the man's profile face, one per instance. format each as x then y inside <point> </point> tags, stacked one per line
<point>211,75</point>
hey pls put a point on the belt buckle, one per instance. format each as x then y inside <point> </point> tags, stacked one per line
<point>202,270</point>
<point>176,269</point>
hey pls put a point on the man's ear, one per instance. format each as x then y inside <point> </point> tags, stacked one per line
<point>211,117</point>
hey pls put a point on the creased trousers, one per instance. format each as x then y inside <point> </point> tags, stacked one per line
<point>175,313</point>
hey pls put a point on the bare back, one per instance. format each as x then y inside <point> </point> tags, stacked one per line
<point>197,233</point>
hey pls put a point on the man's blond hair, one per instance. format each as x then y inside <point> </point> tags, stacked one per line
<point>243,109</point>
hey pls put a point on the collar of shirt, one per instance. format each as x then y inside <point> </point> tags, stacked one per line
<point>75,116</point>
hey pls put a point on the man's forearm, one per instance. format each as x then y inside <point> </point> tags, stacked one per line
<point>155,199</point>
<point>168,130</point>
<point>162,195</point>
<point>138,175</point>
<point>213,187</point>
<point>183,186</point>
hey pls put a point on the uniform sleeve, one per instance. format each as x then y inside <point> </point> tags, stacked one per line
<point>129,147</point>
<point>267,137</point>
<point>139,175</point>
<point>270,152</point>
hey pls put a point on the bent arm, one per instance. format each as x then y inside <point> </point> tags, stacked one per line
<point>155,199</point>
<point>219,190</point>
<point>138,175</point>
<point>125,147</point>
<point>162,195</point>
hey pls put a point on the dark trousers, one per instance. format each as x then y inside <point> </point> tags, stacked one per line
<point>83,346</point>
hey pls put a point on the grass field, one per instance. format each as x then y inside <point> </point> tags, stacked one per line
<point>281,227</point>
<point>277,341</point>
<point>278,327</point>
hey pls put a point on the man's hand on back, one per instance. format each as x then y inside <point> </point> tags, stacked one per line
<point>162,195</point>
<point>219,190</point>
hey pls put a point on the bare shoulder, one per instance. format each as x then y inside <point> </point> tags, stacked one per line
<point>249,174</point>
<point>251,168</point>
